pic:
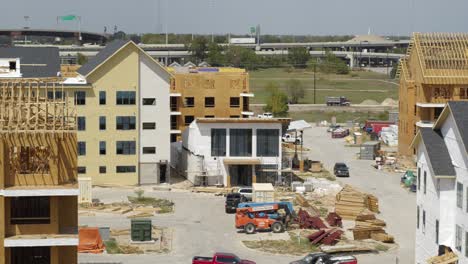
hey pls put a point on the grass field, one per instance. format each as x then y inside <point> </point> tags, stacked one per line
<point>341,117</point>
<point>356,86</point>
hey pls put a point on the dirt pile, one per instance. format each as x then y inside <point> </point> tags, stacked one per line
<point>369,102</point>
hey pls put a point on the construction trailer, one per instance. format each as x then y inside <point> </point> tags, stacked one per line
<point>38,173</point>
<point>433,72</point>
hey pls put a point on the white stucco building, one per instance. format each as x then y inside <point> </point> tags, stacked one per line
<point>232,151</point>
<point>442,186</point>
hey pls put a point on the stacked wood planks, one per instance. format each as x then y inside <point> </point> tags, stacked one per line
<point>350,203</point>
<point>447,258</point>
<point>369,227</point>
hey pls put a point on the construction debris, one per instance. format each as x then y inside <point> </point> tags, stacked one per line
<point>329,237</point>
<point>350,203</point>
<point>333,219</point>
<point>344,248</point>
<point>306,221</point>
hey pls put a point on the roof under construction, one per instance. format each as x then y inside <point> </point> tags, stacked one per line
<point>439,57</point>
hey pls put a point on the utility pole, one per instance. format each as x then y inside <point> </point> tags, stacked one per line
<point>315,71</point>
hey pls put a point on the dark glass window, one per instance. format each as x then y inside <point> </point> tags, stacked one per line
<point>218,142</point>
<point>102,148</point>
<point>102,97</point>
<point>81,123</point>
<point>81,148</point>
<point>126,147</point>
<point>30,210</point>
<point>125,98</point>
<point>102,169</point>
<point>235,102</point>
<point>240,142</point>
<point>149,101</point>
<point>268,142</point>
<point>149,150</point>
<point>80,98</point>
<point>149,125</point>
<point>189,102</point>
<point>58,95</point>
<point>125,122</point>
<point>125,169</point>
<point>188,120</point>
<point>30,255</point>
<point>102,123</point>
<point>209,102</point>
<point>81,170</point>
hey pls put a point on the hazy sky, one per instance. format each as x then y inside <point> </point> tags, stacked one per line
<point>315,17</point>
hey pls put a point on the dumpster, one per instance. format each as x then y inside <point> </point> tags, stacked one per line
<point>141,230</point>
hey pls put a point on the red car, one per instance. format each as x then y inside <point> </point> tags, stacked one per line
<point>220,258</point>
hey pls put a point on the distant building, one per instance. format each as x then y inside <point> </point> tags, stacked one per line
<point>207,93</point>
<point>232,151</point>
<point>434,72</point>
<point>442,184</point>
<point>122,103</point>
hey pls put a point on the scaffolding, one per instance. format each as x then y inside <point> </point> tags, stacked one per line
<point>35,106</point>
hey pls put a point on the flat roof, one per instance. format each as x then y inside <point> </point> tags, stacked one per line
<point>242,120</point>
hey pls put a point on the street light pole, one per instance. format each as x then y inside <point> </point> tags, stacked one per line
<point>315,70</point>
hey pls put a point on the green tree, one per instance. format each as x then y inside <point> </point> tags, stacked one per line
<point>332,64</point>
<point>298,57</point>
<point>242,57</point>
<point>82,59</point>
<point>394,70</point>
<point>198,48</point>
<point>295,90</point>
<point>215,55</point>
<point>277,102</point>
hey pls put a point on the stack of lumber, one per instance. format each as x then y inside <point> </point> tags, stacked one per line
<point>344,248</point>
<point>350,203</point>
<point>369,227</point>
<point>300,200</point>
<point>447,258</point>
<point>373,203</point>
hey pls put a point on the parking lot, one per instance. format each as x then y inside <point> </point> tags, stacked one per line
<point>201,227</point>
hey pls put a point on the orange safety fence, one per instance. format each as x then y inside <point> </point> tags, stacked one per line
<point>90,241</point>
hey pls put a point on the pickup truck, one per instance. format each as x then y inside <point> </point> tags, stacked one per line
<point>288,138</point>
<point>220,258</point>
<point>324,258</point>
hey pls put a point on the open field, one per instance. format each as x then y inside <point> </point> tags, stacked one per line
<point>356,86</point>
<point>341,117</point>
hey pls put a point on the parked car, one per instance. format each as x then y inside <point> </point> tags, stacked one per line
<point>291,139</point>
<point>341,170</point>
<point>246,192</point>
<point>220,258</point>
<point>265,115</point>
<point>232,202</point>
<point>331,128</point>
<point>324,258</point>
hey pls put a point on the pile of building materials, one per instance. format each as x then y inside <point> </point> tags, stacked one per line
<point>351,203</point>
<point>326,237</point>
<point>317,185</point>
<point>306,221</point>
<point>389,135</point>
<point>333,219</point>
<point>447,258</point>
<point>369,227</point>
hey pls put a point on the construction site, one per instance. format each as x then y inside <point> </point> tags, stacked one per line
<point>38,177</point>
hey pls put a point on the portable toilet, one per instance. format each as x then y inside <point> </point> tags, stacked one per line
<point>141,230</point>
<point>263,193</point>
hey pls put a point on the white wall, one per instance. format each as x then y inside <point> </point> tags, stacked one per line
<point>197,140</point>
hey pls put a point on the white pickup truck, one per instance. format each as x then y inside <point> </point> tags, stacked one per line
<point>288,138</point>
<point>265,115</point>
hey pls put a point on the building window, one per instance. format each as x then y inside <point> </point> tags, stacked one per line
<point>102,123</point>
<point>188,120</point>
<point>81,170</point>
<point>102,97</point>
<point>125,169</point>
<point>459,195</point>
<point>424,221</point>
<point>267,142</point>
<point>209,116</point>
<point>218,142</point>
<point>437,112</point>
<point>189,102</point>
<point>58,95</point>
<point>149,150</point>
<point>234,102</point>
<point>30,210</point>
<point>437,232</point>
<point>417,217</point>
<point>102,148</point>
<point>234,116</point>
<point>126,147</point>
<point>125,122</point>
<point>31,255</point>
<point>149,125</point>
<point>424,182</point>
<point>149,101</point>
<point>418,176</point>
<point>80,98</point>
<point>458,237</point>
<point>102,169</point>
<point>81,148</point>
<point>240,142</point>
<point>81,123</point>
<point>209,102</point>
<point>125,98</point>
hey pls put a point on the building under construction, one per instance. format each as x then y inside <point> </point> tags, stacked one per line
<point>38,173</point>
<point>434,72</point>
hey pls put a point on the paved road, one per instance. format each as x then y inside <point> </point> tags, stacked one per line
<point>397,205</point>
<point>201,227</point>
